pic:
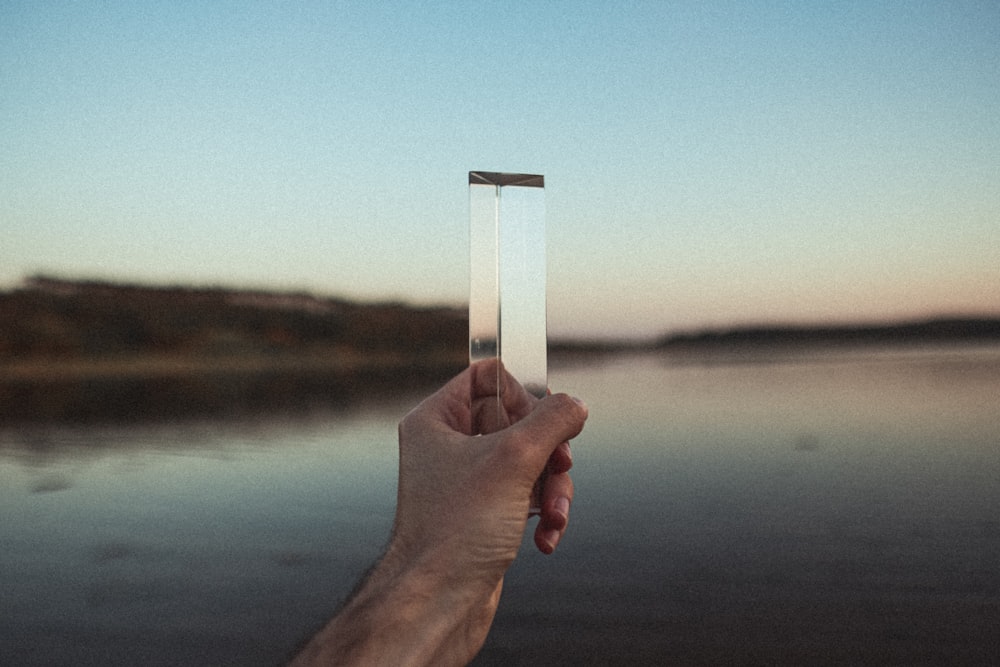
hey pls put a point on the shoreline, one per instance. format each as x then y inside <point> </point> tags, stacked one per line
<point>151,388</point>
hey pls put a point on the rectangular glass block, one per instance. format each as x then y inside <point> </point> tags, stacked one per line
<point>507,279</point>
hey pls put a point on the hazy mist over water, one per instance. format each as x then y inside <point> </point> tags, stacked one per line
<point>835,508</point>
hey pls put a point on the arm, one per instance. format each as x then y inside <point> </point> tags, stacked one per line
<point>462,506</point>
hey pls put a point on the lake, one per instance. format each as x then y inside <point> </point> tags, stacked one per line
<point>809,508</point>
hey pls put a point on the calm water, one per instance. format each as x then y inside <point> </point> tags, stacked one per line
<point>842,509</point>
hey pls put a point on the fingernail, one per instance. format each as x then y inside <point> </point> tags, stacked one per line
<point>552,537</point>
<point>562,505</point>
<point>581,404</point>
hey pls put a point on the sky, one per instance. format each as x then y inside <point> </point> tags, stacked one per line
<point>707,164</point>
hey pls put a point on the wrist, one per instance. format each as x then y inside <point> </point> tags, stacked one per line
<point>444,613</point>
<point>409,611</point>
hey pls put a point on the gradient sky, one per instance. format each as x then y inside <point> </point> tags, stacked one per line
<point>706,163</point>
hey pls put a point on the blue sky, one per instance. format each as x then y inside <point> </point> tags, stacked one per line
<point>706,163</point>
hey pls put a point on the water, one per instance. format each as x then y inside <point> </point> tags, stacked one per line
<point>834,509</point>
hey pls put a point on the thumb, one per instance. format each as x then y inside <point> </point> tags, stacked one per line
<point>555,419</point>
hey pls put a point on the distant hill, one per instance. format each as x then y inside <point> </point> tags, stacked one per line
<point>65,319</point>
<point>97,351</point>
<point>938,331</point>
<point>73,351</point>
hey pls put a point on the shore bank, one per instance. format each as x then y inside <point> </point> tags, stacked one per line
<point>164,387</point>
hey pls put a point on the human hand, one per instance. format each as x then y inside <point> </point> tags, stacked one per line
<point>442,470</point>
<point>495,405</point>
<point>468,462</point>
<point>467,466</point>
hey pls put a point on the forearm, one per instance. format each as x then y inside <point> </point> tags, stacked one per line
<point>406,613</point>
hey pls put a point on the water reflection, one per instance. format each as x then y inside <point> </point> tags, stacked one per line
<point>834,509</point>
<point>193,543</point>
<point>837,510</point>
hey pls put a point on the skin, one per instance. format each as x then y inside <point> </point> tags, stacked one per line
<point>467,470</point>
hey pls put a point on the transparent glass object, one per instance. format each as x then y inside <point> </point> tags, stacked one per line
<point>507,279</point>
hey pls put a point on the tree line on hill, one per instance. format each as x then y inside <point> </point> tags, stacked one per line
<point>938,330</point>
<point>61,319</point>
<point>85,351</point>
<point>75,352</point>
<point>64,319</point>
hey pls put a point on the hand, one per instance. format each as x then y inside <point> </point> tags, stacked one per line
<point>462,506</point>
<point>469,405</point>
